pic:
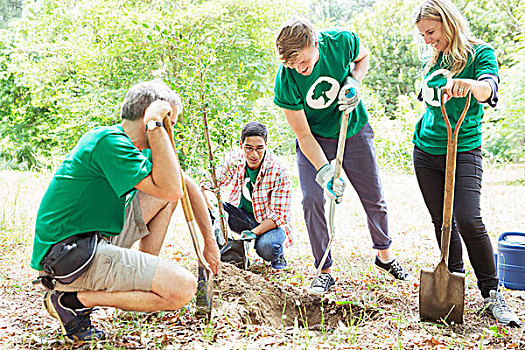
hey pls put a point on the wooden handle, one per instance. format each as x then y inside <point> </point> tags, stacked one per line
<point>341,145</point>
<point>450,174</point>
<point>186,204</point>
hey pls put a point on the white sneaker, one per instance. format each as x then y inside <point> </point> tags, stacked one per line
<point>496,305</point>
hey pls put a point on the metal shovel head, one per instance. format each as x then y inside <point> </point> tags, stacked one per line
<point>441,295</point>
<point>204,301</point>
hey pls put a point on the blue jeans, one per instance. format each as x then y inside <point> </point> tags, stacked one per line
<point>269,245</point>
<point>466,220</point>
<point>360,166</point>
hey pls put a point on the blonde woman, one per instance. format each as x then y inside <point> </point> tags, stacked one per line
<point>458,63</point>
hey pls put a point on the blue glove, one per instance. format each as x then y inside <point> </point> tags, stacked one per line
<point>349,95</point>
<point>248,235</point>
<point>334,188</point>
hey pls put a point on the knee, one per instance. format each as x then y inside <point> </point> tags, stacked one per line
<point>170,207</point>
<point>268,251</point>
<point>470,227</point>
<point>175,285</point>
<point>184,290</point>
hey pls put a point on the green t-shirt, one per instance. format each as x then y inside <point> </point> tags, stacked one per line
<point>250,177</point>
<point>317,94</point>
<point>431,132</point>
<point>88,191</point>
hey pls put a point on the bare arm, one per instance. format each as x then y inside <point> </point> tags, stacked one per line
<point>264,227</point>
<point>362,63</point>
<point>482,90</point>
<point>164,182</point>
<point>307,142</point>
<point>200,211</point>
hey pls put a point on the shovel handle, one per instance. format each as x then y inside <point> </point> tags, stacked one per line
<point>186,204</point>
<point>341,145</point>
<point>450,173</point>
<point>337,174</point>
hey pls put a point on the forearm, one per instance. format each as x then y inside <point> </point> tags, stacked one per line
<point>481,90</point>
<point>361,63</point>
<point>308,144</point>
<point>458,88</point>
<point>360,68</point>
<point>165,170</point>
<point>311,149</point>
<point>200,209</point>
<point>264,227</point>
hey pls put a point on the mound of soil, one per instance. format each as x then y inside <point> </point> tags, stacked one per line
<point>248,298</point>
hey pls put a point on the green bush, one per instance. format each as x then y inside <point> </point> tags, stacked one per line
<point>75,60</point>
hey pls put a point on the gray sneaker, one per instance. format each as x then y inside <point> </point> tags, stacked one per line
<point>496,305</point>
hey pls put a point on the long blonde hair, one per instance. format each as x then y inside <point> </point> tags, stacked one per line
<point>456,31</point>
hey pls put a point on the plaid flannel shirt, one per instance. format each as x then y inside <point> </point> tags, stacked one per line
<point>271,197</point>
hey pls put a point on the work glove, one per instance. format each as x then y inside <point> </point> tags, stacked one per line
<point>334,188</point>
<point>349,95</point>
<point>248,235</point>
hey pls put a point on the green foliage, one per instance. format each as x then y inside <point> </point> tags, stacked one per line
<point>504,132</point>
<point>21,146</point>
<point>337,12</point>
<point>66,65</point>
<point>9,9</point>
<point>223,63</point>
<point>495,22</point>
<point>393,134</point>
<point>77,59</point>
<point>387,31</point>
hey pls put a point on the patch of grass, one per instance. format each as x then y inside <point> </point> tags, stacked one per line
<point>390,319</point>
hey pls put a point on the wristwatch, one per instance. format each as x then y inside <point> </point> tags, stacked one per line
<point>152,124</point>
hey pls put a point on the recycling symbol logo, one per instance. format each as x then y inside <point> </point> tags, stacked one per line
<point>322,93</point>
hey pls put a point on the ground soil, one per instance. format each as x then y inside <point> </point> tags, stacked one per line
<point>249,298</point>
<point>265,309</point>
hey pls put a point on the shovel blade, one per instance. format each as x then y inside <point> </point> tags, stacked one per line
<point>441,295</point>
<point>204,301</point>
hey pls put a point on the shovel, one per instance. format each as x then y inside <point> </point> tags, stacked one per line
<point>205,275</point>
<point>441,292</point>
<point>337,174</point>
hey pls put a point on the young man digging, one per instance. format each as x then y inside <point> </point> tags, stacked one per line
<point>315,69</point>
<point>87,198</point>
<point>259,203</point>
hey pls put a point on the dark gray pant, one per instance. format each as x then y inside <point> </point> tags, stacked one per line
<point>430,173</point>
<point>360,166</point>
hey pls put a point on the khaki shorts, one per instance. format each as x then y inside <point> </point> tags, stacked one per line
<point>115,267</point>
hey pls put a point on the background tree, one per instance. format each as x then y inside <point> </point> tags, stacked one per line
<point>66,65</point>
<point>9,9</point>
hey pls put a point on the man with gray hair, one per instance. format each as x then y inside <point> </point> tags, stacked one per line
<point>120,184</point>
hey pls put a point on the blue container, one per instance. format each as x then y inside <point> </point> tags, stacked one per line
<point>511,260</point>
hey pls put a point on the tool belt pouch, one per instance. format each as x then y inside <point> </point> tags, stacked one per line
<point>70,258</point>
<point>236,252</point>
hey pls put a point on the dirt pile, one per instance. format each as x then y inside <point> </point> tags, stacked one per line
<point>247,298</point>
